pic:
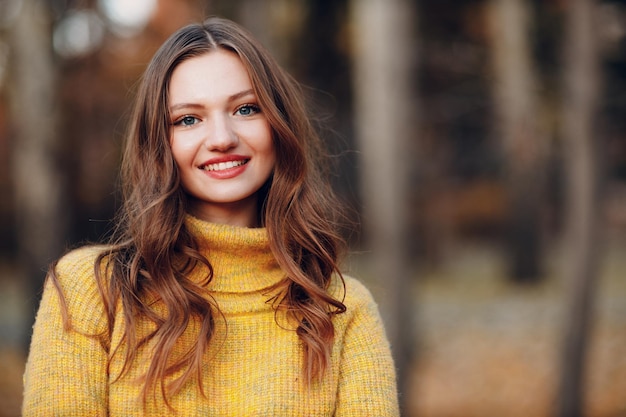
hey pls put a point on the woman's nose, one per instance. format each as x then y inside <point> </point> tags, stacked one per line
<point>220,135</point>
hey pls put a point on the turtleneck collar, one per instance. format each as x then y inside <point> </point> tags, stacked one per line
<point>241,257</point>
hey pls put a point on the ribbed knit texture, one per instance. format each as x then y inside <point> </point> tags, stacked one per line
<point>253,366</point>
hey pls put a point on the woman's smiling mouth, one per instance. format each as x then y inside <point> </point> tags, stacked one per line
<point>220,166</point>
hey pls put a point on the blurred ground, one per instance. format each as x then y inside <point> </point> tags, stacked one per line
<point>486,348</point>
<point>491,349</point>
<point>11,370</point>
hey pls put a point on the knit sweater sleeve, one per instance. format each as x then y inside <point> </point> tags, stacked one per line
<point>367,385</point>
<point>66,372</point>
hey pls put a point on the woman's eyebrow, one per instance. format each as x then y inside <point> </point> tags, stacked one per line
<point>241,94</point>
<point>186,106</point>
<point>231,98</point>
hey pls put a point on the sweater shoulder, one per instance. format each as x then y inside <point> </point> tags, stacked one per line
<point>75,270</point>
<point>353,293</point>
<point>79,260</point>
<point>76,279</point>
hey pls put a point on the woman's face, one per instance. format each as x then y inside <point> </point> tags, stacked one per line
<point>220,138</point>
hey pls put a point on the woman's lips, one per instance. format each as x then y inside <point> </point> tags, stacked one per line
<point>225,168</point>
<point>221,166</point>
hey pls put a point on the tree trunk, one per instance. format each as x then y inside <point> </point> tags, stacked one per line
<point>385,111</point>
<point>37,179</point>
<point>523,140</point>
<point>581,254</point>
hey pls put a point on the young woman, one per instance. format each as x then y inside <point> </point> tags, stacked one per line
<point>221,293</point>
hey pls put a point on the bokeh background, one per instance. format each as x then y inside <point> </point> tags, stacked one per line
<point>479,144</point>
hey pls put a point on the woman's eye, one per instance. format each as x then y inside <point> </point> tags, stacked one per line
<point>247,110</point>
<point>186,121</point>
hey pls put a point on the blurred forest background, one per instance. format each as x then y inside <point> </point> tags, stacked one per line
<point>481,144</point>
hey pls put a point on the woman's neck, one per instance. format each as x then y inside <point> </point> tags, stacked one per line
<point>242,213</point>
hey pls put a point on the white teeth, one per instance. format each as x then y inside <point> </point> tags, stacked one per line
<point>223,165</point>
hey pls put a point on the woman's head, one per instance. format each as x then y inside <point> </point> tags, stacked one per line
<point>150,172</point>
<point>220,138</point>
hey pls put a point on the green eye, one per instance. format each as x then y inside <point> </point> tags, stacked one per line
<point>186,121</point>
<point>248,110</point>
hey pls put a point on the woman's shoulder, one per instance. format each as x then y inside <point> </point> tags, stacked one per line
<point>75,271</point>
<point>352,291</point>
<point>75,282</point>
<point>80,257</point>
<point>361,307</point>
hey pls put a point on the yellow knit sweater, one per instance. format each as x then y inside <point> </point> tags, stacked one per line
<point>253,366</point>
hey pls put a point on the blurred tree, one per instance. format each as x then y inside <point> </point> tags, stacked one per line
<point>276,23</point>
<point>582,241</point>
<point>384,118</point>
<point>326,66</point>
<point>523,139</point>
<point>38,181</point>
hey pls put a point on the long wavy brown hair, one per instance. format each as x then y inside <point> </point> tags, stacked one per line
<point>152,252</point>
